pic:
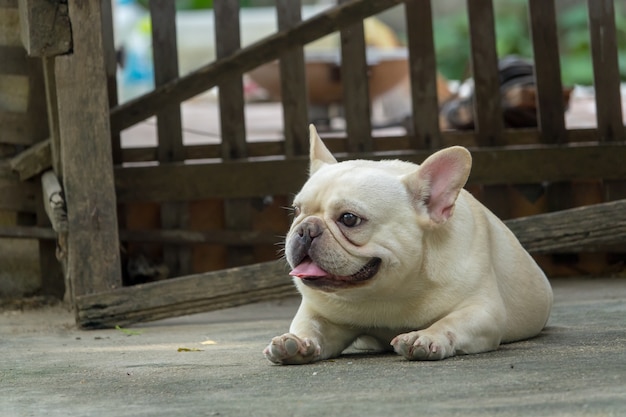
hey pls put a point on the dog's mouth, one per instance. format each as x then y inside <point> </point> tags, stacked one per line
<point>314,276</point>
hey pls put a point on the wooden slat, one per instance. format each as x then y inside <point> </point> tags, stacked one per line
<point>168,236</point>
<point>488,117</point>
<point>423,71</point>
<point>33,160</point>
<point>27,232</point>
<point>577,228</point>
<point>169,126</point>
<point>605,69</point>
<point>237,212</point>
<point>228,42</point>
<point>246,178</point>
<point>111,65</point>
<point>93,242</point>
<point>517,137</point>
<point>355,83</point>
<point>547,71</point>
<point>186,295</point>
<point>244,60</point>
<point>165,57</point>
<point>293,84</point>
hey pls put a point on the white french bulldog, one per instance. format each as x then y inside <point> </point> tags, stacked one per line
<point>400,257</point>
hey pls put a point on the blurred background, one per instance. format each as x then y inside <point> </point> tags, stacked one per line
<point>196,35</point>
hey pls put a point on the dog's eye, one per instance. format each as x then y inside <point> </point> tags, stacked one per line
<point>349,219</point>
<point>296,211</point>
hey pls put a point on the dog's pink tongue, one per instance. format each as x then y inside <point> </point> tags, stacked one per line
<point>308,268</point>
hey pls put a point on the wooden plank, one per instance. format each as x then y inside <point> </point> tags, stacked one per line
<point>578,228</point>
<point>171,236</point>
<point>185,237</point>
<point>606,75</point>
<point>246,178</point>
<point>32,161</point>
<point>93,242</point>
<point>45,27</point>
<point>355,84</point>
<point>547,71</point>
<point>423,72</point>
<point>293,84</point>
<point>488,117</point>
<point>517,137</point>
<point>244,60</point>
<point>169,126</point>
<point>186,295</point>
<point>27,232</point>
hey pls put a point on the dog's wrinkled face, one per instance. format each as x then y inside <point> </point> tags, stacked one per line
<point>342,235</point>
<point>356,221</point>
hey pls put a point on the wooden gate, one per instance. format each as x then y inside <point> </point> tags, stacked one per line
<point>97,178</point>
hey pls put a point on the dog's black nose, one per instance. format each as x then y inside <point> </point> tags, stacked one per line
<point>307,232</point>
<point>312,229</point>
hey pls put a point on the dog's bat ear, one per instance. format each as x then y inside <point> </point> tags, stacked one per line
<point>436,184</point>
<point>319,153</point>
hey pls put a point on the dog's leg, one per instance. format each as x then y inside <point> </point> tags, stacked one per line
<point>310,339</point>
<point>465,331</point>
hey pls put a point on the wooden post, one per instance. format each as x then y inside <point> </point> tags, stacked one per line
<point>547,66</point>
<point>293,84</point>
<point>237,212</point>
<point>423,72</point>
<point>45,27</point>
<point>488,124</point>
<point>169,127</point>
<point>606,77</point>
<point>355,82</point>
<point>93,244</point>
<point>488,118</point>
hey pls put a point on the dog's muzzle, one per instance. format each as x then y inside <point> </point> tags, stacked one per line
<point>305,267</point>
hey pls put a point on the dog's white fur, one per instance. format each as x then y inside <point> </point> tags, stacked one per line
<point>453,279</point>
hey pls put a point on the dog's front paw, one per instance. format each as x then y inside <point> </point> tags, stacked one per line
<point>422,345</point>
<point>289,349</point>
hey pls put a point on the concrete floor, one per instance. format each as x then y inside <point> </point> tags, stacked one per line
<point>49,368</point>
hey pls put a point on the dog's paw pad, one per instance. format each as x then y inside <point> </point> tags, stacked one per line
<point>290,349</point>
<point>420,346</point>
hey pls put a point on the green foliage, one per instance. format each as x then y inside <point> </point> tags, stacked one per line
<point>513,37</point>
<point>186,4</point>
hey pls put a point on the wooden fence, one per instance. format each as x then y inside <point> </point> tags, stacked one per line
<point>100,187</point>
